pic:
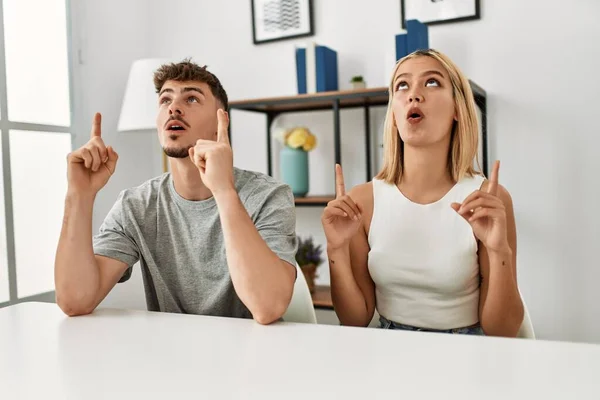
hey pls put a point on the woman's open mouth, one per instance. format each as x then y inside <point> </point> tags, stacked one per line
<point>414,115</point>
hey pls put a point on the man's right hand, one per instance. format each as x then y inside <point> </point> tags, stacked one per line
<point>90,167</point>
<point>342,217</point>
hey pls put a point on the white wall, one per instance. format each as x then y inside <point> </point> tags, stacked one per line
<point>542,96</point>
<point>108,36</point>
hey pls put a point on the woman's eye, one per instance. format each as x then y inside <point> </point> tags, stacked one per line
<point>402,86</point>
<point>432,82</point>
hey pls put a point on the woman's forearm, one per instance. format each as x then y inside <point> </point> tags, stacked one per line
<point>503,311</point>
<point>348,300</point>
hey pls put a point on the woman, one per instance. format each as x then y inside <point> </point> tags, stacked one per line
<point>429,242</point>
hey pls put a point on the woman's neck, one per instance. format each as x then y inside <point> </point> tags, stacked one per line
<point>425,170</point>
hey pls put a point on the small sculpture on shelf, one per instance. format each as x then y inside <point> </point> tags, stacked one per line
<point>358,82</point>
<point>309,258</point>
<point>297,142</point>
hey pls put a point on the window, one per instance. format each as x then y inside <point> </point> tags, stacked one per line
<point>35,121</point>
<point>4,290</point>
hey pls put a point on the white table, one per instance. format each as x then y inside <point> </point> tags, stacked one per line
<point>120,354</point>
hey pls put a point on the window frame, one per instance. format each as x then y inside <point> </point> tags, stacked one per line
<point>5,127</point>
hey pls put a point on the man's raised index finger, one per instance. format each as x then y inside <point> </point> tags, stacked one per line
<point>97,125</point>
<point>222,125</point>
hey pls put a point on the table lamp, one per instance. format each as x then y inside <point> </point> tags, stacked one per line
<point>138,111</point>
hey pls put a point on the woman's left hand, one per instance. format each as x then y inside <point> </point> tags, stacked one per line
<point>486,214</point>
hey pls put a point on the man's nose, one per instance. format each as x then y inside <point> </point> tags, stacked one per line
<point>174,108</point>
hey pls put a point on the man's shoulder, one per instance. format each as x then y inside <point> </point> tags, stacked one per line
<point>247,180</point>
<point>146,192</point>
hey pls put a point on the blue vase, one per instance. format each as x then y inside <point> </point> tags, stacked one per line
<point>294,170</point>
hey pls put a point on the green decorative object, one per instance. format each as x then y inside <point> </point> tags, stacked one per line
<point>358,82</point>
<point>294,169</point>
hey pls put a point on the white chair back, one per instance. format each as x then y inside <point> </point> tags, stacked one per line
<point>301,308</point>
<point>526,331</point>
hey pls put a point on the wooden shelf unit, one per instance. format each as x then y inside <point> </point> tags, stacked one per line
<point>322,298</point>
<point>313,200</point>
<point>271,107</point>
<point>316,101</point>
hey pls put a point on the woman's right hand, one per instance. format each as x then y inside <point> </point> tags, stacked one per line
<point>342,217</point>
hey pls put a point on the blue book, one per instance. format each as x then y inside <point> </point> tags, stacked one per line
<point>326,68</point>
<point>301,70</point>
<point>401,46</point>
<point>316,69</point>
<point>418,36</point>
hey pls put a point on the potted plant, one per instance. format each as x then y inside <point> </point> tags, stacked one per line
<point>293,158</point>
<point>309,258</point>
<point>358,82</point>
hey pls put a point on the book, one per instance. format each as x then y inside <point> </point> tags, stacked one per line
<point>311,68</point>
<point>326,68</point>
<point>301,70</point>
<point>415,38</point>
<point>401,46</point>
<point>316,69</point>
<point>418,36</point>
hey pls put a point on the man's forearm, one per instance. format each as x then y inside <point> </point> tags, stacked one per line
<point>261,281</point>
<point>503,310</point>
<point>76,274</point>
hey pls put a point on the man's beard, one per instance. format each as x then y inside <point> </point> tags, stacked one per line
<point>177,152</point>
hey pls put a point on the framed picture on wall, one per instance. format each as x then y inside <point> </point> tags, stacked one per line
<point>433,12</point>
<point>274,20</point>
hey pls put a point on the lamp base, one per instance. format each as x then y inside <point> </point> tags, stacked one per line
<point>165,161</point>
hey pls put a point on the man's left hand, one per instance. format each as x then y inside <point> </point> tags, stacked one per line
<point>214,159</point>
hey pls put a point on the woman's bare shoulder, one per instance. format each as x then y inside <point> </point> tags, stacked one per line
<point>362,192</point>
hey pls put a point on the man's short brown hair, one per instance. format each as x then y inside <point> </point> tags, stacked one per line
<point>189,71</point>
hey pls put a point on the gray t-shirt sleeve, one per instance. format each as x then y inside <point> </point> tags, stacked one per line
<point>114,241</point>
<point>276,222</point>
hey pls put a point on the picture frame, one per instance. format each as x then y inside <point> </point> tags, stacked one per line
<point>274,20</point>
<point>434,12</point>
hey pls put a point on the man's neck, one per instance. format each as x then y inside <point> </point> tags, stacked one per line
<point>187,181</point>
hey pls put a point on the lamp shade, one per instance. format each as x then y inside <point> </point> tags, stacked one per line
<point>140,103</point>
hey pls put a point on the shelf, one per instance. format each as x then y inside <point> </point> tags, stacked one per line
<point>322,297</point>
<point>323,100</point>
<point>313,200</point>
<point>315,101</point>
<point>478,91</point>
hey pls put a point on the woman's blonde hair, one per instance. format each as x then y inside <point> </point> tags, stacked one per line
<point>465,132</point>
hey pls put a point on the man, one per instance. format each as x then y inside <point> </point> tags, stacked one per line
<point>211,239</point>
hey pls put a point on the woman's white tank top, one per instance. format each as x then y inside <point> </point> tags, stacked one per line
<point>423,258</point>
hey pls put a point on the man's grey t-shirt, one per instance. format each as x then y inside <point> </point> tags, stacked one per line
<point>180,243</point>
